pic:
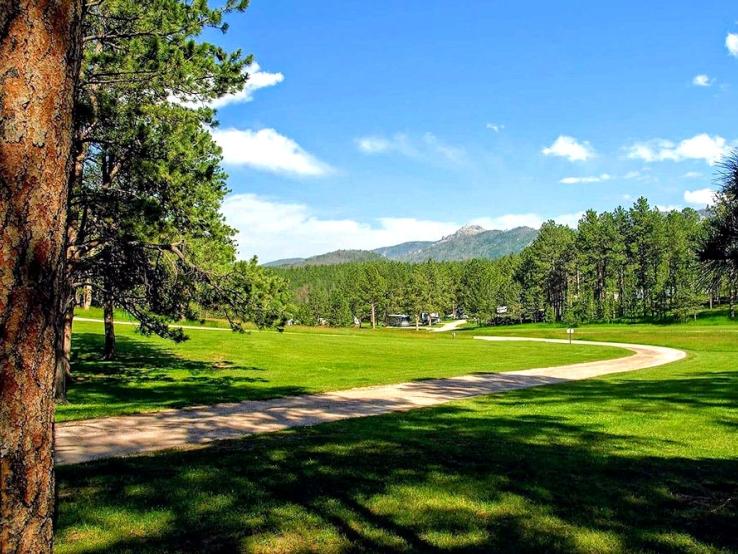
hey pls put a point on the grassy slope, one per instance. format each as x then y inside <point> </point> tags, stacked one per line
<point>643,461</point>
<point>219,366</point>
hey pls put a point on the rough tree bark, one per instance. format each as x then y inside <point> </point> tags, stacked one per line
<point>39,60</point>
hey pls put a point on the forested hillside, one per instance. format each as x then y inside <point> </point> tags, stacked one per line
<point>469,242</point>
<point>329,258</point>
<point>634,264</point>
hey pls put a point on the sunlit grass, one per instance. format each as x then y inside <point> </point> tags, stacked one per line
<point>151,374</point>
<point>637,462</point>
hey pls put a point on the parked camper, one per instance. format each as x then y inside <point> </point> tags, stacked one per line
<point>430,318</point>
<point>398,320</point>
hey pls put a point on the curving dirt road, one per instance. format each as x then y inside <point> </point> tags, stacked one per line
<point>80,441</point>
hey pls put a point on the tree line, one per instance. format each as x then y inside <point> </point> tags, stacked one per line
<point>630,264</point>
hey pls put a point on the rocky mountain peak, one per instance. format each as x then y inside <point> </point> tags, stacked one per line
<point>466,231</point>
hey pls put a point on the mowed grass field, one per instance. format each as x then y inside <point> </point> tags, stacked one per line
<point>151,374</point>
<point>635,462</point>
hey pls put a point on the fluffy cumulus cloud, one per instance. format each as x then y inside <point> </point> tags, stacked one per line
<point>699,147</point>
<point>570,148</point>
<point>700,197</point>
<point>268,150</point>
<point>271,229</point>
<point>428,146</point>
<point>275,230</point>
<point>702,80</point>
<point>731,43</point>
<point>257,79</point>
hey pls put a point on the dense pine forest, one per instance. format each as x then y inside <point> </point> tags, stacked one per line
<point>628,264</point>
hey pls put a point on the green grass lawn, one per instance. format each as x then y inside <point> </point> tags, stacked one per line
<point>95,312</point>
<point>220,366</point>
<point>636,462</point>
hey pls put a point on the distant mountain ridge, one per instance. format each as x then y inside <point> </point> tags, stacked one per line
<point>470,241</point>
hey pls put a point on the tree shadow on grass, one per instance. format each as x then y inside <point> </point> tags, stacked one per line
<point>144,375</point>
<point>455,478</point>
<point>703,389</point>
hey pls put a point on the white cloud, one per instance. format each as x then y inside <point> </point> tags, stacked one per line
<point>257,79</point>
<point>702,80</point>
<point>496,127</point>
<point>700,197</point>
<point>731,43</point>
<point>568,147</point>
<point>450,153</point>
<point>601,178</point>
<point>267,150</point>
<point>511,221</point>
<point>428,146</point>
<point>272,229</point>
<point>692,175</point>
<point>570,220</point>
<point>668,207</point>
<point>699,147</point>
<point>583,180</point>
<point>373,145</point>
<point>275,230</point>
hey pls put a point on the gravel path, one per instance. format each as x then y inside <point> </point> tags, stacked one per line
<point>80,441</point>
<point>450,326</point>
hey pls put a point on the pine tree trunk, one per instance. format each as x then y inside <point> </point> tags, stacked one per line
<point>109,350</point>
<point>64,350</point>
<point>86,297</point>
<point>374,316</point>
<point>39,57</point>
<point>83,297</point>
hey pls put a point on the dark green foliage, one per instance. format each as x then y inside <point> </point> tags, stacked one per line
<point>145,228</point>
<point>719,247</point>
<point>330,258</point>
<point>631,264</point>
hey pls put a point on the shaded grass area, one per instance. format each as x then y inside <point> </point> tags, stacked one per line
<point>636,462</point>
<point>151,374</point>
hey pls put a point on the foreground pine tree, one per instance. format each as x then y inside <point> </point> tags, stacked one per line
<point>39,60</point>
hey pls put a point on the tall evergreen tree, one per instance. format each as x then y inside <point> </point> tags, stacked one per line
<point>719,249</point>
<point>146,185</point>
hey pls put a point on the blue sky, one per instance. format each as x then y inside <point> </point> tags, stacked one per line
<point>372,123</point>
